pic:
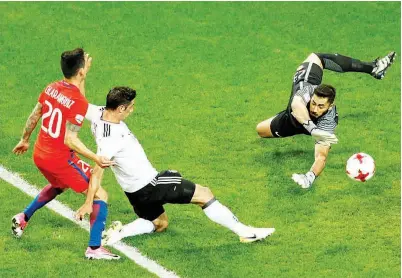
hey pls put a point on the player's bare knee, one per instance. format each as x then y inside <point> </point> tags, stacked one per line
<point>260,130</point>
<point>263,129</point>
<point>313,58</point>
<point>202,195</point>
<point>206,195</point>
<point>160,225</point>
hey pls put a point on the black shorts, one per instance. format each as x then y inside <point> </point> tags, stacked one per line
<point>167,187</point>
<point>306,74</point>
<point>283,125</point>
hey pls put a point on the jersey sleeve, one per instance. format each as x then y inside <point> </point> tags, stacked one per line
<point>329,121</point>
<point>109,146</point>
<point>78,111</point>
<point>93,112</point>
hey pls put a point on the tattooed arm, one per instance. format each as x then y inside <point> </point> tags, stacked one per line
<point>30,125</point>
<point>73,142</point>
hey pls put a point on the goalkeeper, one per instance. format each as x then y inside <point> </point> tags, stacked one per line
<point>311,109</point>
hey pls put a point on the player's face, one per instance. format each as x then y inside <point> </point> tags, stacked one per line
<point>129,109</point>
<point>318,106</point>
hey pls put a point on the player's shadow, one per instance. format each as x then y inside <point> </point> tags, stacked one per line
<point>281,155</point>
<point>282,158</point>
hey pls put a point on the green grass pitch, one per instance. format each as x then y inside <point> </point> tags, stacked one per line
<point>206,73</point>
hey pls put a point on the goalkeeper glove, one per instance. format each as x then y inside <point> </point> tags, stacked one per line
<point>304,180</point>
<point>321,136</point>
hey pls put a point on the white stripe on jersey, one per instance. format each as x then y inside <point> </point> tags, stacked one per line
<point>169,178</point>
<point>310,64</point>
<point>164,180</point>
<point>172,180</point>
<point>168,182</point>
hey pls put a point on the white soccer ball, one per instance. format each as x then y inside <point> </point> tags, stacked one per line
<point>360,167</point>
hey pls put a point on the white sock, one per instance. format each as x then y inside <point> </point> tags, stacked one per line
<point>137,227</point>
<point>220,214</point>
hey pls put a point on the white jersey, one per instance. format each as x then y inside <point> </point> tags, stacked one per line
<point>115,141</point>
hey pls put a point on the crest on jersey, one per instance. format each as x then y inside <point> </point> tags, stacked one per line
<point>79,118</point>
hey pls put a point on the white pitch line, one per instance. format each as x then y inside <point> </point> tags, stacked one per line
<point>131,252</point>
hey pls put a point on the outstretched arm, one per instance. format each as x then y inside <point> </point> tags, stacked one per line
<point>30,125</point>
<point>73,142</point>
<point>320,157</point>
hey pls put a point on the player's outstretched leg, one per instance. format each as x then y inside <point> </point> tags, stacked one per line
<point>117,231</point>
<point>220,214</point>
<point>341,63</point>
<point>20,221</point>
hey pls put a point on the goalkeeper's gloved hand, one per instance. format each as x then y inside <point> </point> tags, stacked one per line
<point>304,180</point>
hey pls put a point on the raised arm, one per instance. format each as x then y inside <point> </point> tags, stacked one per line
<point>30,125</point>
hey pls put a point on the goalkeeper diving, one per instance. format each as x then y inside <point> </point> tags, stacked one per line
<point>311,109</point>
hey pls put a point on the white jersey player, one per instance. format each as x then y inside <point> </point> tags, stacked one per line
<point>133,169</point>
<point>146,189</point>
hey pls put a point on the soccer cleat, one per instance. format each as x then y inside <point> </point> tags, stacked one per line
<point>257,234</point>
<point>382,64</point>
<point>112,235</point>
<point>18,224</point>
<point>100,254</point>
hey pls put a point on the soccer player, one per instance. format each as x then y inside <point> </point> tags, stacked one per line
<point>146,189</point>
<point>311,109</point>
<point>62,107</point>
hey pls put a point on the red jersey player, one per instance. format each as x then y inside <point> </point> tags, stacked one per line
<point>62,107</point>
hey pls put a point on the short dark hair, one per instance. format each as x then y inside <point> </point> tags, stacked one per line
<point>327,91</point>
<point>119,96</point>
<point>72,61</point>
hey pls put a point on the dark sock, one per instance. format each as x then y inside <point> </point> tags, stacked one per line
<point>94,247</point>
<point>340,63</point>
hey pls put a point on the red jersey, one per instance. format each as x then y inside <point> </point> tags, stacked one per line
<point>61,102</point>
